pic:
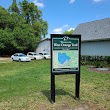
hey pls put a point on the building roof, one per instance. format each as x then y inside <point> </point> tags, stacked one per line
<point>45,39</point>
<point>94,30</point>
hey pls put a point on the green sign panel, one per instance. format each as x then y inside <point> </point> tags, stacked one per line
<point>65,53</point>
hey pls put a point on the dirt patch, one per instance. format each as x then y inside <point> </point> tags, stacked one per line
<point>99,71</point>
<point>82,107</point>
<point>5,59</point>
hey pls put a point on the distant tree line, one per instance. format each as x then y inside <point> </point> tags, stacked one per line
<point>21,27</point>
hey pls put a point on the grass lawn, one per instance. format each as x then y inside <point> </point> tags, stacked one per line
<point>26,86</point>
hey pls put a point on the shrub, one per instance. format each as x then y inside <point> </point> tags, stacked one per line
<point>98,61</point>
<point>98,64</point>
<point>83,63</point>
<point>108,60</point>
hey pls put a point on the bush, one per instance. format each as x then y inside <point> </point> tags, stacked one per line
<point>98,61</point>
<point>83,63</point>
<point>98,64</point>
<point>108,60</point>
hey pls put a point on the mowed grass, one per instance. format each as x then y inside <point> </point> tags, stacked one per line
<point>26,86</point>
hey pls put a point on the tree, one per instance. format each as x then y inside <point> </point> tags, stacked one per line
<point>21,28</point>
<point>69,32</point>
<point>4,15</point>
<point>6,41</point>
<point>44,27</point>
<point>30,12</point>
<point>32,15</point>
<point>14,7</point>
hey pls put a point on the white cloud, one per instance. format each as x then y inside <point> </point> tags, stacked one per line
<point>71,29</point>
<point>37,3</point>
<point>98,1</point>
<point>61,29</point>
<point>72,1</point>
<point>58,31</point>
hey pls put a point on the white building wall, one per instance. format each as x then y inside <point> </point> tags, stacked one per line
<point>43,46</point>
<point>99,48</point>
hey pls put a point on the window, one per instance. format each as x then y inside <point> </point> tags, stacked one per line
<point>41,53</point>
<point>30,54</point>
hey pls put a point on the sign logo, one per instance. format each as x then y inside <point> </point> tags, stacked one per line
<point>65,38</point>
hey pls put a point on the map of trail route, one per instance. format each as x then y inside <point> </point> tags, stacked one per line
<point>65,59</point>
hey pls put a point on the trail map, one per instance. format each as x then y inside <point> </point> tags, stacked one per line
<point>65,59</point>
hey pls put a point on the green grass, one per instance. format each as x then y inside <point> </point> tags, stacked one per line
<point>26,86</point>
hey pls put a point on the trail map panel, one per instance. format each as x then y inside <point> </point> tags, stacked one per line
<point>65,53</point>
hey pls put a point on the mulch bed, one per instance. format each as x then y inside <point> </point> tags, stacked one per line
<point>99,71</point>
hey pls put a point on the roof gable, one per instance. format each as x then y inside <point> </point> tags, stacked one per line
<point>95,30</point>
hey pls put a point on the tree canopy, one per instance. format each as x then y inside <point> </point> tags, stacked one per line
<point>69,32</point>
<point>21,27</point>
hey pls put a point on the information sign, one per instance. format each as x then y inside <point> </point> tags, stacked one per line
<point>65,59</point>
<point>65,53</point>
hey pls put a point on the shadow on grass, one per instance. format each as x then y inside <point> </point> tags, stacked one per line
<point>47,93</point>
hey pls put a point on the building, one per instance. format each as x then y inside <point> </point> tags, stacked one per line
<point>43,46</point>
<point>95,37</point>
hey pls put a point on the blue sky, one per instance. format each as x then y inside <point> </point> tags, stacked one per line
<point>64,15</point>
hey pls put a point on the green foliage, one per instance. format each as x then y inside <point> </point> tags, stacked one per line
<point>14,7</point>
<point>69,32</point>
<point>98,64</point>
<point>97,61</point>
<point>44,27</point>
<point>4,16</point>
<point>21,27</point>
<point>108,59</point>
<point>84,62</point>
